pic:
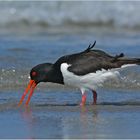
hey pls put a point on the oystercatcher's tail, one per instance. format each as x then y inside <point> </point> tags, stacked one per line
<point>127,61</point>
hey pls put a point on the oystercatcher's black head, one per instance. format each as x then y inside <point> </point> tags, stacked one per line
<point>39,73</point>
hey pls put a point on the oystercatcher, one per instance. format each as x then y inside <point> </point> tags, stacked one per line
<point>86,70</point>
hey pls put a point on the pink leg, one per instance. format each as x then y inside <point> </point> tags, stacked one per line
<point>94,97</point>
<point>83,100</point>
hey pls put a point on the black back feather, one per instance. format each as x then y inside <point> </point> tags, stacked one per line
<point>118,56</point>
<point>90,47</point>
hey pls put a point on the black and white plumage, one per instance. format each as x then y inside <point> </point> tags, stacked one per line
<point>86,70</point>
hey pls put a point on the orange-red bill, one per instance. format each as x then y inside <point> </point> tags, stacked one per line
<point>31,93</point>
<point>31,86</point>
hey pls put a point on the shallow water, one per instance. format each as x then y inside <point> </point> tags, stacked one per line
<point>102,121</point>
<point>54,110</point>
<point>57,114</point>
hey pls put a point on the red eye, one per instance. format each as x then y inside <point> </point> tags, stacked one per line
<point>34,73</point>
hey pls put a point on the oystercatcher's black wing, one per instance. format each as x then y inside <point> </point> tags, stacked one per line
<point>92,61</point>
<point>88,61</point>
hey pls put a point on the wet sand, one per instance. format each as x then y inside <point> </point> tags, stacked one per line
<point>59,117</point>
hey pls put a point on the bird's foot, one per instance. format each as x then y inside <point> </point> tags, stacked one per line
<point>83,100</point>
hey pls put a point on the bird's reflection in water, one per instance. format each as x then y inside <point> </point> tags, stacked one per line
<point>27,117</point>
<point>88,119</point>
<point>95,114</point>
<point>86,110</point>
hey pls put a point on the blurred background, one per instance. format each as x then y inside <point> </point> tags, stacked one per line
<point>42,16</point>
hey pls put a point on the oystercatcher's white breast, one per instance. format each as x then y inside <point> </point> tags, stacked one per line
<point>88,81</point>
